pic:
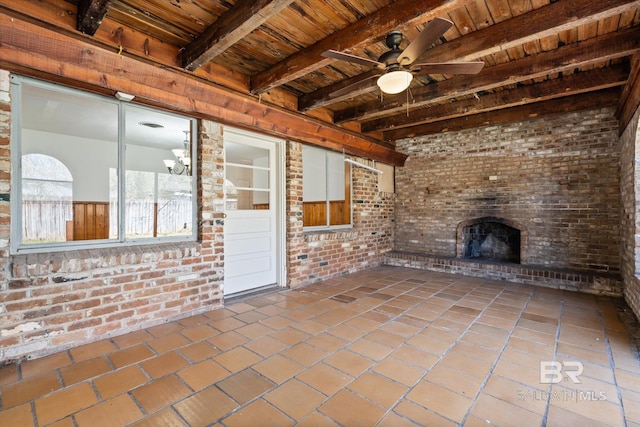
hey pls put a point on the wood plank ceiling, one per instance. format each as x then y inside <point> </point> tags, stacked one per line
<point>541,56</point>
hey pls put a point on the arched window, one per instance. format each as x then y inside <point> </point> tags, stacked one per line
<point>47,195</point>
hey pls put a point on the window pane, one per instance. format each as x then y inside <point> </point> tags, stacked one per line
<point>326,188</point>
<point>241,154</point>
<point>174,205</point>
<point>47,195</point>
<point>140,204</point>
<point>158,181</point>
<point>248,200</point>
<point>247,185</point>
<point>69,144</point>
<point>339,204</point>
<point>248,177</point>
<point>314,174</point>
<point>335,176</point>
<point>314,187</point>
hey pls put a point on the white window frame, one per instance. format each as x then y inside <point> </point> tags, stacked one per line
<point>17,246</point>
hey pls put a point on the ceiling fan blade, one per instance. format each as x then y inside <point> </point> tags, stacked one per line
<point>356,88</point>
<point>431,32</point>
<point>448,68</point>
<point>352,58</point>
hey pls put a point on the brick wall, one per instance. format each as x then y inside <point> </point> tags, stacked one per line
<point>314,256</point>
<point>557,176</point>
<point>630,242</point>
<point>52,301</point>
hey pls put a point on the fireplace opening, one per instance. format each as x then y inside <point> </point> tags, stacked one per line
<point>490,239</point>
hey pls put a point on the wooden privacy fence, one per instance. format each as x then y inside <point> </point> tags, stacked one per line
<point>47,221</point>
<point>166,217</point>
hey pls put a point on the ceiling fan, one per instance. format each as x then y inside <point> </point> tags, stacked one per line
<point>396,67</point>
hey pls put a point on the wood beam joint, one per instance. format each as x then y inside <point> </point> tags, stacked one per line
<point>244,17</point>
<point>90,15</point>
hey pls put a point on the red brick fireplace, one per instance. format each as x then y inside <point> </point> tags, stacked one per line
<point>554,181</point>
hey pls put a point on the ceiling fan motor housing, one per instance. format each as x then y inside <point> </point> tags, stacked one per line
<point>390,58</point>
<point>393,40</point>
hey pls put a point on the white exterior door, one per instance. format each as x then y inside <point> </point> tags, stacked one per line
<point>251,205</point>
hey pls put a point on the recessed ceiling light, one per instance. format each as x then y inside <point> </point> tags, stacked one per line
<point>151,125</point>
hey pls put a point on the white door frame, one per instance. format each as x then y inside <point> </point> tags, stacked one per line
<point>281,212</point>
<point>280,199</point>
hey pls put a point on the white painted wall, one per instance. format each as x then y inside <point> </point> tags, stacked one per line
<point>89,160</point>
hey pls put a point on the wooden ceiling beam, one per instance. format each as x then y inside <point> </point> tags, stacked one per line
<point>598,49</point>
<point>630,97</point>
<point>322,97</point>
<point>38,51</point>
<point>60,16</point>
<point>59,13</point>
<point>90,15</point>
<point>584,101</point>
<point>531,26</point>
<point>244,17</point>
<point>588,81</point>
<point>538,23</point>
<point>112,34</point>
<point>364,31</point>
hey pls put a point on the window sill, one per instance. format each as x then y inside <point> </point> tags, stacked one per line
<point>101,251</point>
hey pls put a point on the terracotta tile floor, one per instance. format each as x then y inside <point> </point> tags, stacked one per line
<point>388,347</point>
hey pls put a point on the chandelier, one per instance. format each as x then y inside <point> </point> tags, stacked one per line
<point>182,164</point>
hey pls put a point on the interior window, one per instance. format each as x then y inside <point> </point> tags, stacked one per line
<point>326,184</point>
<point>98,171</point>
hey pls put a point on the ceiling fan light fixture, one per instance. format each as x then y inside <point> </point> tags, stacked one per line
<point>395,81</point>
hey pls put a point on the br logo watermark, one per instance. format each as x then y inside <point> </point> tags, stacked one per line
<point>552,372</point>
